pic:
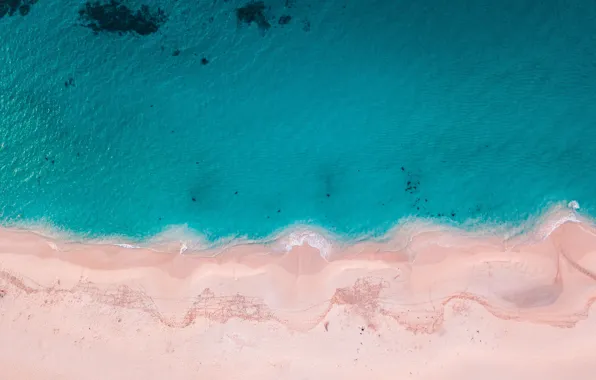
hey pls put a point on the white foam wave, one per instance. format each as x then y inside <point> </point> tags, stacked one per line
<point>573,205</point>
<point>184,240</point>
<point>178,238</point>
<point>541,227</point>
<point>130,246</point>
<point>557,217</point>
<point>303,236</point>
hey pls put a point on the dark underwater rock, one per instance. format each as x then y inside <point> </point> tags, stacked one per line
<point>24,9</point>
<point>10,7</point>
<point>115,17</point>
<point>253,12</point>
<point>284,20</point>
<point>306,25</point>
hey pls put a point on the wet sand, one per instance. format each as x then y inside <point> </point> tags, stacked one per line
<point>429,305</point>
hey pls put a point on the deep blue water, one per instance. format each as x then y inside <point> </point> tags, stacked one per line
<point>351,116</point>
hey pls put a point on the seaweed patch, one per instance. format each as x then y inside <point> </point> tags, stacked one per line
<point>306,25</point>
<point>12,7</point>
<point>115,17</point>
<point>69,82</point>
<point>253,12</point>
<point>284,20</point>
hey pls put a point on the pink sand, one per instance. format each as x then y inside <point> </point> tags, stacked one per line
<point>436,305</point>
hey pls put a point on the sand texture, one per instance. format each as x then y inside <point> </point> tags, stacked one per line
<point>434,305</point>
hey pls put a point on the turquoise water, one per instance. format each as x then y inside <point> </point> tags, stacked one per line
<point>351,116</point>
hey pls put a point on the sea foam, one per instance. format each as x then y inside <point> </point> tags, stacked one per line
<point>304,235</point>
<point>183,240</point>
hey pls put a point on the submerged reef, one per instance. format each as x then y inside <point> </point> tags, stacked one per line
<point>284,20</point>
<point>115,17</point>
<point>253,12</point>
<point>11,7</point>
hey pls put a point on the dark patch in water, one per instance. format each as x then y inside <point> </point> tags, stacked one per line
<point>284,20</point>
<point>24,9</point>
<point>69,82</point>
<point>115,17</point>
<point>412,184</point>
<point>10,7</point>
<point>331,180</point>
<point>253,12</point>
<point>306,25</point>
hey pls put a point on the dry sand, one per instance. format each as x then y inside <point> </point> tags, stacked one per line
<point>437,305</point>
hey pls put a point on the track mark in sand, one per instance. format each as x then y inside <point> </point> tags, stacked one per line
<point>363,299</point>
<point>206,305</point>
<point>461,308</point>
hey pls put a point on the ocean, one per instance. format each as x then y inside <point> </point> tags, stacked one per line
<point>233,119</point>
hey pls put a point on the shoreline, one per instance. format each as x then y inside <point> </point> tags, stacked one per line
<point>299,313</point>
<point>181,239</point>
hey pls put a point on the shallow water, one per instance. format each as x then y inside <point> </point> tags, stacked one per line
<point>353,115</point>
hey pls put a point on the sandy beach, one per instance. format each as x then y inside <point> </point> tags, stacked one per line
<point>434,305</point>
